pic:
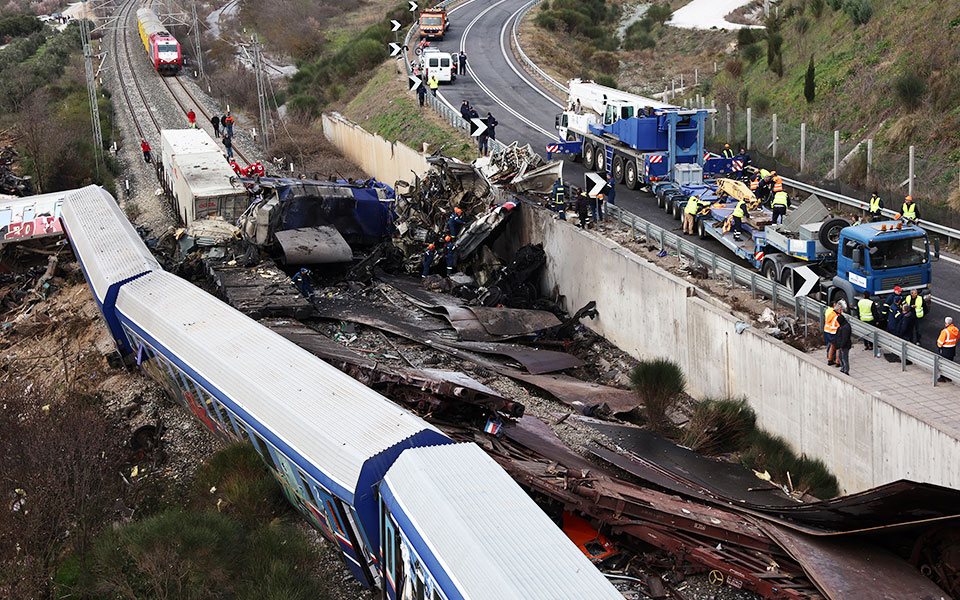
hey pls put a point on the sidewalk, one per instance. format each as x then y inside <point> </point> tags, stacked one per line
<point>911,391</point>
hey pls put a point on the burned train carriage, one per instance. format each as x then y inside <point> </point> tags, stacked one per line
<point>416,525</point>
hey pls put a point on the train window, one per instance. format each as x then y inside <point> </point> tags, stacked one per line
<point>419,584</point>
<point>307,486</point>
<point>264,450</point>
<point>436,594</point>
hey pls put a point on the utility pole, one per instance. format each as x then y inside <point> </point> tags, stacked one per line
<point>261,90</point>
<point>92,94</point>
<point>196,41</point>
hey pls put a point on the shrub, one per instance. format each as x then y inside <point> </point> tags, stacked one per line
<point>752,53</point>
<point>244,487</point>
<point>734,67</point>
<point>766,452</point>
<point>605,61</point>
<point>546,20</point>
<point>761,105</point>
<point>774,46</point>
<point>659,13</point>
<point>719,426</point>
<point>639,41</point>
<point>911,88</point>
<point>860,11</point>
<point>607,80</point>
<point>801,25</point>
<point>659,383</point>
<point>745,37</point>
<point>809,82</point>
<point>816,8</point>
<point>743,97</point>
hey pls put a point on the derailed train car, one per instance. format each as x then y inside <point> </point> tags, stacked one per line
<point>162,48</point>
<point>341,451</point>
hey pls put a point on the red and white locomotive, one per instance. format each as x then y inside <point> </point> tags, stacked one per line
<point>161,46</point>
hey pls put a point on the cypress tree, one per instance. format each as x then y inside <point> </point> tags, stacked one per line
<point>809,85</point>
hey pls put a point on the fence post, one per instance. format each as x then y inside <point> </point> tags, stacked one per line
<point>713,119</point>
<point>869,157</point>
<point>681,82</point>
<point>714,66</point>
<point>728,123</point>
<point>836,154</point>
<point>910,184</point>
<point>749,130</point>
<point>696,77</point>
<point>803,145</point>
<point>774,135</point>
<point>673,85</point>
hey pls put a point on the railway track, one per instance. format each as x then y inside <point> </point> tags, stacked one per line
<point>121,37</point>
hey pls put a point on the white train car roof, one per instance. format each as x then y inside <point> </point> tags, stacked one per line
<point>106,244</point>
<point>309,409</point>
<point>480,534</point>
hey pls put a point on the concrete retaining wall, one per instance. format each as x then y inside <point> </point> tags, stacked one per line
<point>650,313</point>
<point>385,160</point>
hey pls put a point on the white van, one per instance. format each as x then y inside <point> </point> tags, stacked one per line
<point>438,64</point>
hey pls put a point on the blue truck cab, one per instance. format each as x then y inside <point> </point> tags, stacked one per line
<point>876,257</point>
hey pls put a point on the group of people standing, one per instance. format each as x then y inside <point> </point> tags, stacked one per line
<point>469,113</point>
<point>455,225</point>
<point>584,204</point>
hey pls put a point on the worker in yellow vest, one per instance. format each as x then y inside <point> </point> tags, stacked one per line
<point>915,300</point>
<point>433,83</point>
<point>780,204</point>
<point>865,310</point>
<point>739,214</point>
<point>947,343</point>
<point>910,210</point>
<point>876,207</point>
<point>727,151</point>
<point>831,323</point>
<point>690,214</point>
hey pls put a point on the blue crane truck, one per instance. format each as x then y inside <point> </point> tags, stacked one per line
<point>847,259</point>
<point>640,140</point>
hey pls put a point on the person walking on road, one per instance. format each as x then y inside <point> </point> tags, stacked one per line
<point>462,60</point>
<point>434,84</point>
<point>422,93</point>
<point>876,207</point>
<point>947,343</point>
<point>215,121</point>
<point>227,122</point>
<point>192,119</point>
<point>145,147</point>
<point>228,145</point>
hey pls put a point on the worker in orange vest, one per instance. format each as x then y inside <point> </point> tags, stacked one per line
<point>947,342</point>
<point>777,182</point>
<point>831,323</point>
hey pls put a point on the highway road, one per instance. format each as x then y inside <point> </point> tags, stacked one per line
<point>525,110</point>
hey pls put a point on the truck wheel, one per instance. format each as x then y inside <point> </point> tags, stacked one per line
<point>786,279</point>
<point>829,235</point>
<point>770,270</point>
<point>630,175</point>
<point>676,211</point>
<point>589,154</point>
<point>618,169</point>
<point>701,229</point>
<point>600,158</point>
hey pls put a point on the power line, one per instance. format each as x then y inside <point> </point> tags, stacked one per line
<point>92,95</point>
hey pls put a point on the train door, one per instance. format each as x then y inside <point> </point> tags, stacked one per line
<point>391,557</point>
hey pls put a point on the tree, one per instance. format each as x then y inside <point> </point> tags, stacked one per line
<point>40,135</point>
<point>659,383</point>
<point>809,83</point>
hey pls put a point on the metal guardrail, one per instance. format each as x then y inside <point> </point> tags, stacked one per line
<point>564,90</point>
<point>452,117</point>
<point>943,230</point>
<point>804,307</point>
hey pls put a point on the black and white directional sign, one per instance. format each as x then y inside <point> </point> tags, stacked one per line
<point>395,24</point>
<point>481,126</point>
<point>413,6</point>
<point>394,49</point>
<point>810,279</point>
<point>414,82</point>
<point>597,181</point>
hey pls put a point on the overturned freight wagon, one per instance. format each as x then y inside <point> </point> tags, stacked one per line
<point>197,177</point>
